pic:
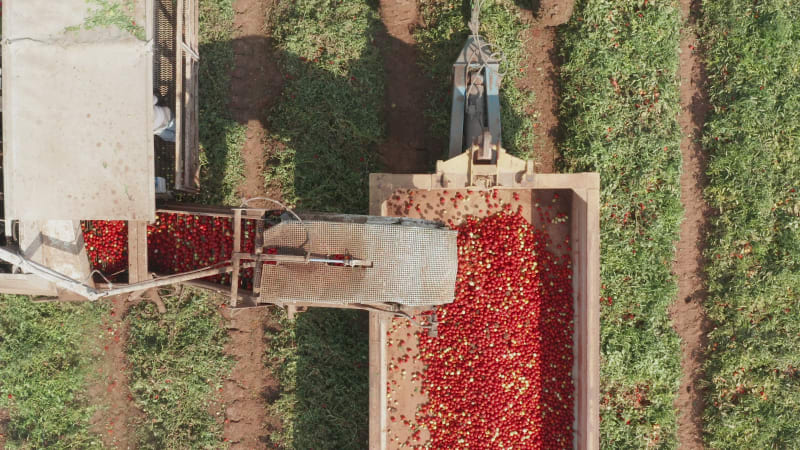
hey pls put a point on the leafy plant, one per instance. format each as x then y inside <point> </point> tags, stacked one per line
<point>112,13</point>
<point>221,137</point>
<point>619,115</point>
<point>753,138</point>
<point>44,364</point>
<point>177,364</point>
<point>329,117</point>
<point>321,362</point>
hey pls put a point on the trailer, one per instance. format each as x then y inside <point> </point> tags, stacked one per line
<point>479,164</point>
<point>578,200</point>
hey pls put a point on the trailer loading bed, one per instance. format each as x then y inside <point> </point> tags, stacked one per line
<point>578,197</point>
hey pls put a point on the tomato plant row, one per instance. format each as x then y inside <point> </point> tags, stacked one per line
<point>753,248</point>
<point>619,111</point>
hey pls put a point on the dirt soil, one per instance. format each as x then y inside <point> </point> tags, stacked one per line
<point>541,76</point>
<point>687,313</point>
<point>118,415</point>
<point>256,83</point>
<point>250,387</point>
<point>408,147</point>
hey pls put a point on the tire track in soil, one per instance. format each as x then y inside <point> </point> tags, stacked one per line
<point>116,419</point>
<point>408,147</point>
<point>541,76</point>
<point>688,316</point>
<point>256,84</point>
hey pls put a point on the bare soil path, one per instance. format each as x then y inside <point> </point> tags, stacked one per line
<point>541,76</point>
<point>117,416</point>
<point>687,313</point>
<point>408,147</point>
<point>250,387</point>
<point>256,83</point>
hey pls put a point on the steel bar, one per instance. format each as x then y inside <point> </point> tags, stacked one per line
<point>237,247</point>
<point>93,294</point>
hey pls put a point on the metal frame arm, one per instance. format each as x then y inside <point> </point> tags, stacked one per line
<point>93,294</point>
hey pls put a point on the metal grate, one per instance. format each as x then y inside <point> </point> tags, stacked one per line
<point>164,52</point>
<point>412,266</point>
<point>164,80</point>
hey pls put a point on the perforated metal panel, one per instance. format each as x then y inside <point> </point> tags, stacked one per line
<point>164,80</point>
<point>164,50</point>
<point>412,266</point>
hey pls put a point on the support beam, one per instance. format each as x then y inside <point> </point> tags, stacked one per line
<point>179,185</point>
<point>237,247</point>
<point>137,251</point>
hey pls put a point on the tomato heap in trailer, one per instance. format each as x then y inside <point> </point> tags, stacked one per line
<point>499,375</point>
<point>175,243</point>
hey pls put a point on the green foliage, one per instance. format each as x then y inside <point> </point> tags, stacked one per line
<point>321,361</point>
<point>112,13</point>
<point>43,370</point>
<point>177,363</point>
<point>221,137</point>
<point>753,138</point>
<point>440,42</point>
<point>329,117</point>
<point>619,114</point>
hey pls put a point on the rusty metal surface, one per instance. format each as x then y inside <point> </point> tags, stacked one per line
<point>411,265</point>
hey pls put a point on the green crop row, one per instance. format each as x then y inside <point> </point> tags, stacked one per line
<point>321,361</point>
<point>328,121</point>
<point>177,365</point>
<point>619,115</point>
<point>221,137</point>
<point>753,250</point>
<point>44,373</point>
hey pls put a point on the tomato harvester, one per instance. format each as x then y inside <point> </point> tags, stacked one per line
<point>101,163</point>
<point>78,145</point>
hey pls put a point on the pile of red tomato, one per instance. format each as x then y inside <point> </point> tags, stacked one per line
<point>180,242</point>
<point>175,243</point>
<point>106,245</point>
<point>499,374</point>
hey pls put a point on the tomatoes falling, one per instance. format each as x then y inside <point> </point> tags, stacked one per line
<point>499,375</point>
<point>106,245</point>
<point>175,243</point>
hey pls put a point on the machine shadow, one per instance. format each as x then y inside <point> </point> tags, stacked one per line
<point>320,136</point>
